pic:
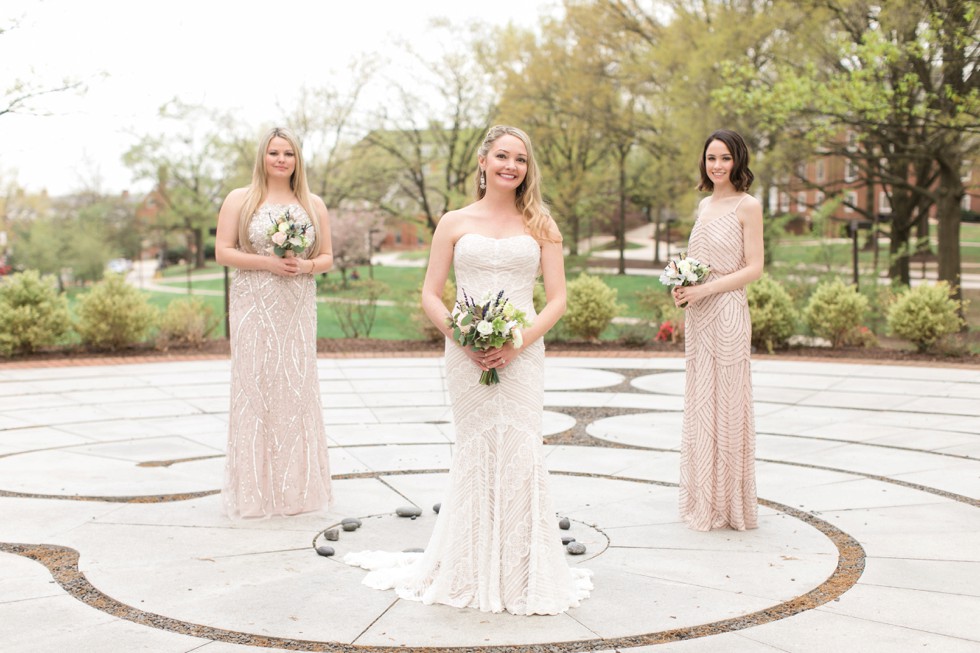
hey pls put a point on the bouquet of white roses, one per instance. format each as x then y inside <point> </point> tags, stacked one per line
<point>288,237</point>
<point>684,271</point>
<point>488,323</point>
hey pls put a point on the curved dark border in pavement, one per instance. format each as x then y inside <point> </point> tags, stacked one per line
<point>62,562</point>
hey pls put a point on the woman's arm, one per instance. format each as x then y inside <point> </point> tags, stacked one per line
<point>437,272</point>
<point>322,262</point>
<point>553,274</point>
<point>440,260</point>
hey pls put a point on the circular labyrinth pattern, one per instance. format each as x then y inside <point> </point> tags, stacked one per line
<point>108,479</point>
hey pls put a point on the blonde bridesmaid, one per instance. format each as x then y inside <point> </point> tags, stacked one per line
<point>277,447</point>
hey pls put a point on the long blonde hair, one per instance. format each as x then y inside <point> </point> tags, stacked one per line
<point>537,217</point>
<point>258,190</point>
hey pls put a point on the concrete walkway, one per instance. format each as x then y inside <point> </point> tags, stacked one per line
<point>112,537</point>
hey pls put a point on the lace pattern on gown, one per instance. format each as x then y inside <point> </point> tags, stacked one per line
<point>277,446</point>
<point>495,545</point>
<point>717,472</point>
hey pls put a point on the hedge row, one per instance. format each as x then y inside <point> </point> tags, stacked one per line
<point>112,315</point>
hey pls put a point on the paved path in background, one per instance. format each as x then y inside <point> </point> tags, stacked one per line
<point>112,536</point>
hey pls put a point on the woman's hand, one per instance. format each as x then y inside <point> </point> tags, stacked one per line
<point>679,300</point>
<point>684,296</point>
<point>477,356</point>
<point>501,356</point>
<point>285,267</point>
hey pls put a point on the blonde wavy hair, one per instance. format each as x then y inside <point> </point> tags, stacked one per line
<point>258,190</point>
<point>537,217</point>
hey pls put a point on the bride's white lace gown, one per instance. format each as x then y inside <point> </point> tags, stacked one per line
<point>496,544</point>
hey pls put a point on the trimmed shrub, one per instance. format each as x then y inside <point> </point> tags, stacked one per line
<point>114,314</point>
<point>862,337</point>
<point>422,321</point>
<point>591,307</point>
<point>637,335</point>
<point>772,313</point>
<point>557,333</point>
<point>187,321</point>
<point>880,298</point>
<point>835,310</point>
<point>660,303</point>
<point>32,313</point>
<point>924,315</point>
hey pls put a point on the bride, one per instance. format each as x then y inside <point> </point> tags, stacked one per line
<point>496,544</point>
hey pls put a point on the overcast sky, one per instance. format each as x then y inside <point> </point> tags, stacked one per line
<point>243,55</point>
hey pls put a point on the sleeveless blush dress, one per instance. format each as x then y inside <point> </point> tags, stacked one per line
<point>717,474</point>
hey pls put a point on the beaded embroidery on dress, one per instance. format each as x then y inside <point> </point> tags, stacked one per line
<point>717,473</point>
<point>277,446</point>
<point>495,545</point>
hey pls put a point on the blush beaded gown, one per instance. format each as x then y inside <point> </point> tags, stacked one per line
<point>496,544</point>
<point>717,474</point>
<point>277,446</point>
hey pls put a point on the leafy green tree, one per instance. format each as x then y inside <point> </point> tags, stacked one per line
<point>194,166</point>
<point>902,77</point>
<point>557,91</point>
<point>423,143</point>
<point>324,118</point>
<point>69,243</point>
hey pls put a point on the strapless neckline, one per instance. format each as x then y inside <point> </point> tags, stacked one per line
<point>492,238</point>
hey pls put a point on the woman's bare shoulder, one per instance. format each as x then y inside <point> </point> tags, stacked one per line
<point>457,219</point>
<point>551,233</point>
<point>235,199</point>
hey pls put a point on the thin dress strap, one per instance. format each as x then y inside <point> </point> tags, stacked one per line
<point>739,202</point>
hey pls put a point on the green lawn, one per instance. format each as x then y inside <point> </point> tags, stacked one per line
<point>796,250</point>
<point>970,232</point>
<point>395,322</point>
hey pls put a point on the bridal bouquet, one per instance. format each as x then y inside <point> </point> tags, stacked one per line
<point>684,271</point>
<point>288,237</point>
<point>488,323</point>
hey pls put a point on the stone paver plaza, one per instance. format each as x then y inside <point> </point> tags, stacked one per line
<point>112,536</point>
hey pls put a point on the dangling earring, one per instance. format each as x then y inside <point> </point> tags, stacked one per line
<point>483,180</point>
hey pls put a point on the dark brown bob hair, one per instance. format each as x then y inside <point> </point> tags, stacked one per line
<point>741,176</point>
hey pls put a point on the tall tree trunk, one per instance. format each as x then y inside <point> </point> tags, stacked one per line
<point>949,215</point>
<point>573,222</point>
<point>199,262</point>
<point>898,247</point>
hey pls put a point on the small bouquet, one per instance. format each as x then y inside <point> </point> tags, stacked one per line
<point>488,323</point>
<point>288,237</point>
<point>684,271</point>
